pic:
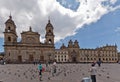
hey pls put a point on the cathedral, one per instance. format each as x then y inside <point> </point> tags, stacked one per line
<point>31,49</point>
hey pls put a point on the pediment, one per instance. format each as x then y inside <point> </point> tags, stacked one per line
<point>30,33</point>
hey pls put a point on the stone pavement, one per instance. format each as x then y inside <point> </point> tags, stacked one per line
<point>65,73</point>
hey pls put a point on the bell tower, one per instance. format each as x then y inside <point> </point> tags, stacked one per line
<point>10,36</point>
<point>70,44</point>
<point>76,45</point>
<point>49,33</point>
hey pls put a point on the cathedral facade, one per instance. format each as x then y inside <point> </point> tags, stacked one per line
<point>31,49</point>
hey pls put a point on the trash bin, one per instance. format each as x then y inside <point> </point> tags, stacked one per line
<point>86,79</point>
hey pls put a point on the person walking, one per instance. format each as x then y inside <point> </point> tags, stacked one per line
<point>54,69</point>
<point>93,72</point>
<point>40,71</point>
<point>99,63</point>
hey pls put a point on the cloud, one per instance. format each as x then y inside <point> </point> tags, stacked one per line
<point>117,29</point>
<point>113,1</point>
<point>35,13</point>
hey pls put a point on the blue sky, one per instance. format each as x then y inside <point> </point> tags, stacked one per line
<point>100,33</point>
<point>70,4</point>
<point>92,24</point>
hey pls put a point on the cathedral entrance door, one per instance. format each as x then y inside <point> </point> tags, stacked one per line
<point>73,59</point>
<point>19,58</point>
<point>74,56</point>
<point>41,58</point>
<point>31,58</point>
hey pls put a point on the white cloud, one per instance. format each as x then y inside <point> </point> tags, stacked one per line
<point>113,1</point>
<point>35,13</point>
<point>117,29</point>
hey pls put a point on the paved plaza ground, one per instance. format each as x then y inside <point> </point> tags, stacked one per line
<point>65,73</point>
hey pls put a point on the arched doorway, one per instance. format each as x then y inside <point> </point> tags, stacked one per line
<point>42,58</point>
<point>74,59</point>
<point>19,58</point>
<point>31,58</point>
<point>74,56</point>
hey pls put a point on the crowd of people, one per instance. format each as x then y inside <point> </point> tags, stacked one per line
<point>52,68</point>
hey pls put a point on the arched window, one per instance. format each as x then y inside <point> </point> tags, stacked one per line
<point>103,59</point>
<point>50,41</point>
<point>81,58</point>
<point>9,38</point>
<point>106,59</point>
<point>65,59</point>
<point>84,58</point>
<point>49,30</point>
<point>9,54</point>
<point>91,58</point>
<point>110,59</point>
<point>65,56</point>
<point>9,29</point>
<point>87,58</point>
<point>94,58</point>
<point>113,59</point>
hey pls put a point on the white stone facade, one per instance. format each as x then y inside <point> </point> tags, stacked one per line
<point>61,56</point>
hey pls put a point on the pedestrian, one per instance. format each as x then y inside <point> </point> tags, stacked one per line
<point>94,63</point>
<point>40,71</point>
<point>46,64</point>
<point>93,72</point>
<point>99,63</point>
<point>54,68</point>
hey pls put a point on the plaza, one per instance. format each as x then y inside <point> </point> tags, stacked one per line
<point>65,73</point>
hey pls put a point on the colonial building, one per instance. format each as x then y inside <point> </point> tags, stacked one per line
<point>106,53</point>
<point>61,55</point>
<point>119,57</point>
<point>31,49</point>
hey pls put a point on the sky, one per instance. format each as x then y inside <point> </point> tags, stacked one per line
<point>94,23</point>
